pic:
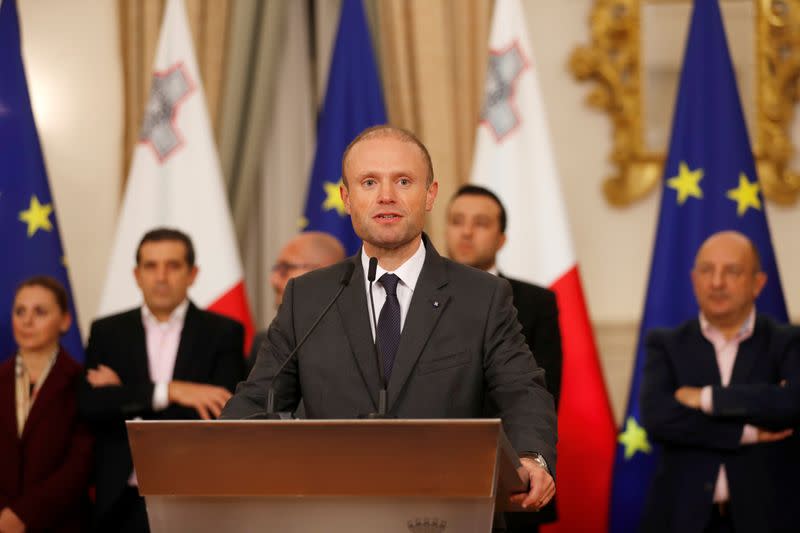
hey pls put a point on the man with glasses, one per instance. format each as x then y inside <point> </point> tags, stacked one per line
<point>303,253</point>
<point>720,395</point>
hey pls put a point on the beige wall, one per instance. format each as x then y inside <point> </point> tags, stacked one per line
<point>71,52</point>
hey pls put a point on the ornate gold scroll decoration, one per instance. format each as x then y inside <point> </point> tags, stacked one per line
<point>612,61</point>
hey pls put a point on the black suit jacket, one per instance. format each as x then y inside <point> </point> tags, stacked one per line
<point>762,478</point>
<point>210,351</point>
<point>537,312</point>
<point>44,474</point>
<point>461,342</point>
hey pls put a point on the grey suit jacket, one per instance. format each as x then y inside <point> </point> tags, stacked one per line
<point>461,342</point>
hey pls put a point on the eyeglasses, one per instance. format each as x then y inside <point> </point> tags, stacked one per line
<point>284,267</point>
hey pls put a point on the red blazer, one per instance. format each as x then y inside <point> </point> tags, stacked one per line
<point>44,475</point>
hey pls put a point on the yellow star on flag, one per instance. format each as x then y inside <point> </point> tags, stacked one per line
<point>37,216</point>
<point>687,183</point>
<point>333,199</point>
<point>745,195</point>
<point>634,438</point>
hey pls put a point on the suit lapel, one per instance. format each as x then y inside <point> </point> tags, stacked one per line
<point>138,359</point>
<point>55,381</point>
<point>703,361</point>
<point>427,305</point>
<point>189,334</point>
<point>747,354</point>
<point>8,403</point>
<point>354,314</point>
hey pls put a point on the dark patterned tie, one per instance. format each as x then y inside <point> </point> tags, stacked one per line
<point>388,334</point>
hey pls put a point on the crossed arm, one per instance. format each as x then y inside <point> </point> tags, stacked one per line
<point>741,413</point>
<point>104,396</point>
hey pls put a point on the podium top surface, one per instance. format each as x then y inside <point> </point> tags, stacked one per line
<point>451,458</point>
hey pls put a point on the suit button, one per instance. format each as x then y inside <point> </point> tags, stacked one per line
<point>708,487</point>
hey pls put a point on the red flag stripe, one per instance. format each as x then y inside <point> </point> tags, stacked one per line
<point>233,304</point>
<point>585,422</point>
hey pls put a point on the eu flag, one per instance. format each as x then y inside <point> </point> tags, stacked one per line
<point>710,184</point>
<point>353,102</point>
<point>29,237</point>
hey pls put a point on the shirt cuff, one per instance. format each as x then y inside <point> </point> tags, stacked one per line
<point>161,396</point>
<point>706,404</point>
<point>749,434</point>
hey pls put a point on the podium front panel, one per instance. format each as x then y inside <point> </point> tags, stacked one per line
<point>369,458</point>
<point>170,514</point>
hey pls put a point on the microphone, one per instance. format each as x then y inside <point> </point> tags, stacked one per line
<point>343,282</point>
<point>373,267</point>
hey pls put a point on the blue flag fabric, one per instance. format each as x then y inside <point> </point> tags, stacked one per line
<point>709,185</point>
<point>353,102</point>
<point>29,236</point>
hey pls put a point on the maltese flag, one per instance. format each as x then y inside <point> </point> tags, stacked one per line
<point>176,181</point>
<point>514,158</point>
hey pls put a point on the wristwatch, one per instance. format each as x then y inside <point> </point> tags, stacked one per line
<point>538,459</point>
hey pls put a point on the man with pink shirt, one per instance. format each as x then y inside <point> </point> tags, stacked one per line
<point>164,360</point>
<point>720,396</point>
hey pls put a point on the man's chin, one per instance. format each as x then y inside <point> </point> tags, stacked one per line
<point>720,317</point>
<point>162,306</point>
<point>388,242</point>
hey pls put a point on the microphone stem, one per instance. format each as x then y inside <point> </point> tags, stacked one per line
<point>270,400</point>
<point>270,388</point>
<point>382,403</point>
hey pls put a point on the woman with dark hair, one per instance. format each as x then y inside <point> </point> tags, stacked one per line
<point>45,450</point>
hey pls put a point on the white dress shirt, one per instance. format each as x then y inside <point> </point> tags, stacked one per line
<point>408,273</point>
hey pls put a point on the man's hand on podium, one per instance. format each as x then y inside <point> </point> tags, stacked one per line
<point>207,400</point>
<point>542,487</point>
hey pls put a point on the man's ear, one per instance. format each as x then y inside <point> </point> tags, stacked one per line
<point>344,193</point>
<point>761,280</point>
<point>430,196</point>
<point>501,242</point>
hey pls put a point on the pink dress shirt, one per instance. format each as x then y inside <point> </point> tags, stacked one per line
<point>725,350</point>
<point>162,340</point>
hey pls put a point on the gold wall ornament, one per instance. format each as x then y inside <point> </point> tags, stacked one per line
<point>778,63</point>
<point>613,61</point>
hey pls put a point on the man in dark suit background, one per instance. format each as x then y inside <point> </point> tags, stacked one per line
<point>164,360</point>
<point>476,232</point>
<point>720,394</point>
<point>447,334</point>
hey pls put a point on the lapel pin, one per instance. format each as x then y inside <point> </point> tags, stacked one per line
<point>436,303</point>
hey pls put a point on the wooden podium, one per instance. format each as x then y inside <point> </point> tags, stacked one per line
<point>384,476</point>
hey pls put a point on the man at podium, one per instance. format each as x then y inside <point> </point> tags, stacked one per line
<point>429,338</point>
